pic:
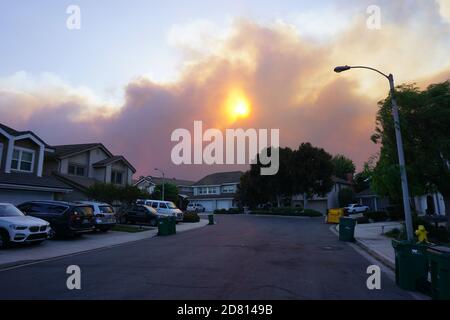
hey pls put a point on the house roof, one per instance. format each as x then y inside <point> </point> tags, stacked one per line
<point>220,178</point>
<point>15,133</point>
<point>366,193</point>
<point>30,180</point>
<point>81,183</point>
<point>158,180</point>
<point>113,159</point>
<point>66,150</point>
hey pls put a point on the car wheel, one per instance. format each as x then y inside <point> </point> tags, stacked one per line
<point>51,234</point>
<point>4,239</point>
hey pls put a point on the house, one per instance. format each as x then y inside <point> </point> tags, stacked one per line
<point>82,165</point>
<point>428,204</point>
<point>149,184</point>
<point>217,191</point>
<point>322,204</point>
<point>22,174</point>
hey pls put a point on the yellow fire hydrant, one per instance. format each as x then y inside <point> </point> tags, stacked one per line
<point>422,234</point>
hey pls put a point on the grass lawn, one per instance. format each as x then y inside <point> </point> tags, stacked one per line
<point>129,228</point>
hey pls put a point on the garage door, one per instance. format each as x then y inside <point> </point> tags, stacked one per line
<point>209,205</point>
<point>224,204</point>
<point>20,196</point>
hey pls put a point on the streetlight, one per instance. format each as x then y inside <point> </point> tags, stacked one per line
<point>162,172</point>
<point>398,135</point>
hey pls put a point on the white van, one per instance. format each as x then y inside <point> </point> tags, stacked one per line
<point>164,208</point>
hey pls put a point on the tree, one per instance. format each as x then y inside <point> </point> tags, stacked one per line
<point>108,192</point>
<point>255,189</point>
<point>363,179</point>
<point>343,166</point>
<point>425,124</point>
<point>346,196</point>
<point>170,192</point>
<point>103,192</point>
<point>312,172</point>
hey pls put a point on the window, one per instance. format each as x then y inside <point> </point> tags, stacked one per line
<point>106,209</point>
<point>22,160</point>
<point>116,177</point>
<point>162,205</point>
<point>228,189</point>
<point>77,170</point>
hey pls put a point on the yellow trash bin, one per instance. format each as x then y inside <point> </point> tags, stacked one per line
<point>334,215</point>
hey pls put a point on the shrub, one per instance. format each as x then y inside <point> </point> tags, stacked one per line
<point>362,220</point>
<point>310,213</point>
<point>229,211</point>
<point>395,233</point>
<point>191,217</point>
<point>376,216</point>
<point>395,213</point>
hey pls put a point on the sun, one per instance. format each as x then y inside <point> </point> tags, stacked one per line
<point>241,109</point>
<point>237,105</point>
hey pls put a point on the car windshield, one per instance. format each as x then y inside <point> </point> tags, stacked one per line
<point>171,205</point>
<point>7,210</point>
<point>106,209</point>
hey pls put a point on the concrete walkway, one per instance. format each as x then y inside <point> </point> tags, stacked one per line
<point>372,239</point>
<point>22,254</point>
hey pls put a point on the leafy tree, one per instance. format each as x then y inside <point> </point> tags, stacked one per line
<point>170,192</point>
<point>363,179</point>
<point>312,172</point>
<point>425,124</point>
<point>346,196</point>
<point>343,166</point>
<point>103,192</point>
<point>109,193</point>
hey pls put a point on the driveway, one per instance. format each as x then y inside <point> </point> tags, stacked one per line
<point>242,257</point>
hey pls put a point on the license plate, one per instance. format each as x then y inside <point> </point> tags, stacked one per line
<point>85,221</point>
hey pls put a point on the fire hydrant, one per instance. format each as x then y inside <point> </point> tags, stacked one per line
<point>421,233</point>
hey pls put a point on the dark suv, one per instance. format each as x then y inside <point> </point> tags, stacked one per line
<point>65,218</point>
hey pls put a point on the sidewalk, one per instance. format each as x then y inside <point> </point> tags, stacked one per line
<point>370,237</point>
<point>92,241</point>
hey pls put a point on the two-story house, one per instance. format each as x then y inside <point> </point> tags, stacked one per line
<point>22,176</point>
<point>149,183</point>
<point>83,165</point>
<point>217,191</point>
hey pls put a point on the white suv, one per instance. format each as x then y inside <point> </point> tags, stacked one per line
<point>195,207</point>
<point>104,217</point>
<point>19,228</point>
<point>167,208</point>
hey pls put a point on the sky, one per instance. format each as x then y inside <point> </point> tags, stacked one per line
<point>137,70</point>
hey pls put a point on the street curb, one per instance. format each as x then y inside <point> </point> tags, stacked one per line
<point>24,263</point>
<point>388,263</point>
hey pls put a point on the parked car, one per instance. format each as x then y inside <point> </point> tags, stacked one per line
<point>65,218</point>
<point>195,207</point>
<point>142,214</point>
<point>104,216</point>
<point>15,227</point>
<point>164,207</point>
<point>355,208</point>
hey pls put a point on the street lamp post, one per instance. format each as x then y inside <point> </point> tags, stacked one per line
<point>401,156</point>
<point>163,176</point>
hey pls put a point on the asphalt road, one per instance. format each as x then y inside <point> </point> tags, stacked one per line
<point>241,257</point>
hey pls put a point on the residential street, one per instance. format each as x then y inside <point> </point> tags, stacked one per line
<point>242,257</point>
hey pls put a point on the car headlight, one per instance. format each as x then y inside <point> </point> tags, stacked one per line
<point>15,227</point>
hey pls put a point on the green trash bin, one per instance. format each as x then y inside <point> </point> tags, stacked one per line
<point>411,265</point>
<point>211,219</point>
<point>439,258</point>
<point>164,227</point>
<point>347,229</point>
<point>173,225</point>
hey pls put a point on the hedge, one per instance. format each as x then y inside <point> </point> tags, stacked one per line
<point>191,217</point>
